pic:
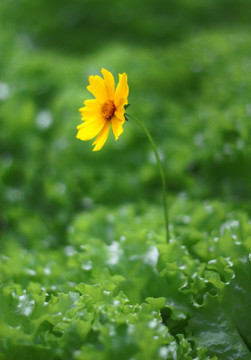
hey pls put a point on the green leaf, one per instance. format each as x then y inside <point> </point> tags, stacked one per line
<point>214,330</point>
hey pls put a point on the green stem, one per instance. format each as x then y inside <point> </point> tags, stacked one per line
<point>161,173</point>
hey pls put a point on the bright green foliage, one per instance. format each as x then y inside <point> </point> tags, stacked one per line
<point>85,273</point>
<point>109,296</point>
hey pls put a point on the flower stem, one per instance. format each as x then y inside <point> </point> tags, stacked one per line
<point>161,173</point>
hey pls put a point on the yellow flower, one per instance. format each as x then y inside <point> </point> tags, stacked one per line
<point>107,109</point>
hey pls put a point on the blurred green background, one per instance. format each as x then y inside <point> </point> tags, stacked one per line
<point>189,71</point>
<point>82,253</point>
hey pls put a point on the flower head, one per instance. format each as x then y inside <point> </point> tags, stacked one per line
<point>107,109</point>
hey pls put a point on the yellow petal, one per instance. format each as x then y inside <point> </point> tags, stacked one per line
<point>101,139</point>
<point>119,113</point>
<point>89,129</point>
<point>121,102</point>
<point>122,89</point>
<point>92,103</point>
<point>97,88</point>
<point>89,113</point>
<point>120,110</point>
<point>109,83</point>
<point>117,127</point>
<point>91,110</point>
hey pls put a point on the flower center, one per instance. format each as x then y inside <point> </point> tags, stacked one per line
<point>108,109</point>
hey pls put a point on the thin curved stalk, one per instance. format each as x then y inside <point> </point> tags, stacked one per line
<point>161,173</point>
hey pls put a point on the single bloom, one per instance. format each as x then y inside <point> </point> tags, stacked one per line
<point>107,109</point>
